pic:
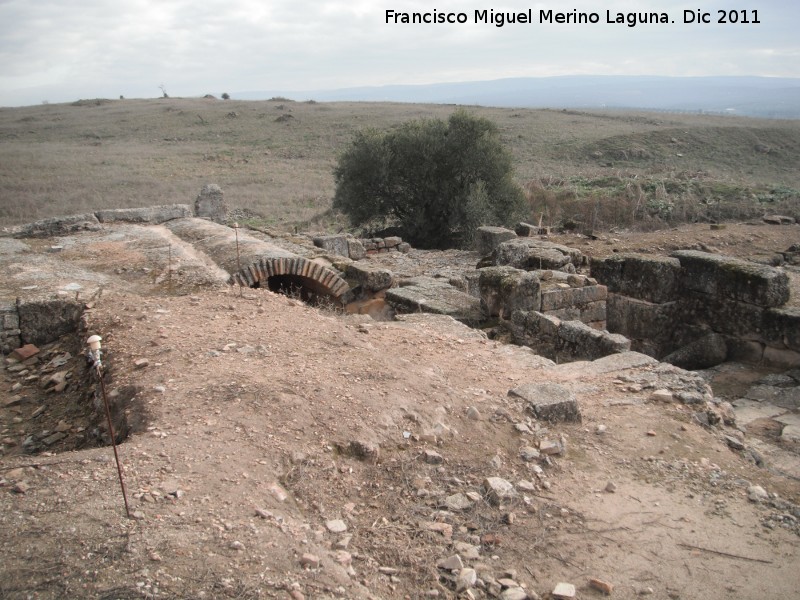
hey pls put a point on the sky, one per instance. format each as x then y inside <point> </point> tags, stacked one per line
<point>64,50</point>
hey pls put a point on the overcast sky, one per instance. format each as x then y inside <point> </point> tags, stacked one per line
<point>62,50</point>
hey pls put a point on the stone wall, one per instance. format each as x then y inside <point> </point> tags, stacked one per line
<point>564,341</point>
<point>39,321</point>
<point>568,296</point>
<point>665,303</point>
<point>357,249</point>
<point>9,328</point>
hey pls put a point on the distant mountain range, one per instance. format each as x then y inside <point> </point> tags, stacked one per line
<point>772,97</point>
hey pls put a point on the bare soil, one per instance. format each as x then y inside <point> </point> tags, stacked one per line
<point>263,421</point>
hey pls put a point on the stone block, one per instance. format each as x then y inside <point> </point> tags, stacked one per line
<point>57,226</point>
<point>594,312</point>
<point>371,279</point>
<point>781,327</point>
<point>654,279</point>
<point>498,490</point>
<point>703,353</point>
<point>506,289</point>
<point>472,283</point>
<point>782,359</point>
<point>639,319</point>
<point>489,238</point>
<point>541,324</point>
<point>147,214</point>
<point>533,254</point>
<point>210,204</point>
<point>549,402</point>
<point>426,294</point>
<point>43,321</point>
<point>11,320</point>
<point>727,277</point>
<point>553,299</point>
<point>392,241</point>
<point>578,341</point>
<point>573,313</point>
<point>528,230</point>
<point>356,250</point>
<point>333,244</point>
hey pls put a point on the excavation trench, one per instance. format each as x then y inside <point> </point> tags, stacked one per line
<point>56,399</point>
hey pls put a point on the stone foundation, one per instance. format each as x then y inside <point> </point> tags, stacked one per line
<point>564,341</point>
<point>664,303</point>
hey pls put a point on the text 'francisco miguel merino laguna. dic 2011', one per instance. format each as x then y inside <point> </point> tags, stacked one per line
<point>574,17</point>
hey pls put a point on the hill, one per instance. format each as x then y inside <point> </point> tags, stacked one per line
<point>773,97</point>
<point>275,158</point>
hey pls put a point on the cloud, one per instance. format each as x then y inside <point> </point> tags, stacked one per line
<point>100,47</point>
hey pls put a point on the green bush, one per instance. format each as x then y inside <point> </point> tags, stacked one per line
<point>437,181</point>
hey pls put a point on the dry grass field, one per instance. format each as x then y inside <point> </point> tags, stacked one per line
<point>592,170</point>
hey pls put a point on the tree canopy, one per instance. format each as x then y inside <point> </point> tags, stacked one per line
<point>437,180</point>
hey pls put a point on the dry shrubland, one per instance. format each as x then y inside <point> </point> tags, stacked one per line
<point>276,158</point>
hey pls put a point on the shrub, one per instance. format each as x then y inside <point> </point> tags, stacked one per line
<point>226,96</point>
<point>436,180</point>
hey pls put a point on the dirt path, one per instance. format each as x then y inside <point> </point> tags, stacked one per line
<point>290,453</point>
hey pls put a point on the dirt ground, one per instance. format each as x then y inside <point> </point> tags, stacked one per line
<point>283,451</point>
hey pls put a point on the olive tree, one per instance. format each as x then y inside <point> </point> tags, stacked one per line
<point>436,180</point>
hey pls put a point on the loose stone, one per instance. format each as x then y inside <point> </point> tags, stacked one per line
<point>601,585</point>
<point>498,490</point>
<point>336,526</point>
<point>662,395</point>
<point>466,579</point>
<point>452,563</point>
<point>514,593</point>
<point>432,457</point>
<point>564,591</point>
<point>756,493</point>
<point>309,560</point>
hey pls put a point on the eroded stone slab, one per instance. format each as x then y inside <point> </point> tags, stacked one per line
<point>426,294</point>
<point>549,402</point>
<point>748,411</point>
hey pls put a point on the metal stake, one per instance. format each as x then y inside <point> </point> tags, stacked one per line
<point>238,262</point>
<point>169,268</point>
<point>95,354</point>
<point>113,440</point>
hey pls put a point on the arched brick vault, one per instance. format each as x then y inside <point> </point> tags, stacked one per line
<point>310,274</point>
